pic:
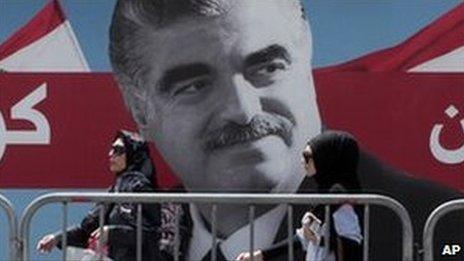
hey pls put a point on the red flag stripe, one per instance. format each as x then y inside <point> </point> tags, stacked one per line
<point>440,37</point>
<point>50,17</point>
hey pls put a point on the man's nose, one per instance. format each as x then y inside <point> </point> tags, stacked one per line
<point>242,101</point>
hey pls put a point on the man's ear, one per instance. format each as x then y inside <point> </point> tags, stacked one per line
<point>135,100</point>
<point>138,105</point>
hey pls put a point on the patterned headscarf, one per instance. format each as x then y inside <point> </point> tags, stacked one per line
<point>137,155</point>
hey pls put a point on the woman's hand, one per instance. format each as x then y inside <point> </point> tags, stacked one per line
<point>310,227</point>
<point>245,256</point>
<point>47,243</point>
<point>103,234</point>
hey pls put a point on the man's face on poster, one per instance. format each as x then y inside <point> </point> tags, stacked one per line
<point>231,98</point>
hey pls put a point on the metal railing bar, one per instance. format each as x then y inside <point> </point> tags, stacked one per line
<point>432,220</point>
<point>214,231</point>
<point>290,231</point>
<point>176,237</point>
<point>327,227</point>
<point>139,233</point>
<point>251,220</point>
<point>64,240</point>
<point>247,198</point>
<point>219,198</point>
<point>12,223</point>
<point>101,220</point>
<point>366,233</point>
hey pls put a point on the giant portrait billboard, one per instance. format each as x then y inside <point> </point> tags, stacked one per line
<point>227,93</point>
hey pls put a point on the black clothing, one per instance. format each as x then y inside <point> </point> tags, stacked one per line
<point>122,217</point>
<point>336,156</point>
<point>138,156</point>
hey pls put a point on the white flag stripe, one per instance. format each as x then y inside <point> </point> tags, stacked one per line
<point>57,51</point>
<point>451,62</point>
<point>77,47</point>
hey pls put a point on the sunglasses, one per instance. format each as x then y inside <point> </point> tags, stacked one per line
<point>307,156</point>
<point>117,150</point>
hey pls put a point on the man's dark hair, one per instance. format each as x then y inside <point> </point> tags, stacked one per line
<point>131,16</point>
<point>131,21</point>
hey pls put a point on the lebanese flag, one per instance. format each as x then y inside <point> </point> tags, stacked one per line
<point>45,44</point>
<point>439,47</point>
<point>405,104</point>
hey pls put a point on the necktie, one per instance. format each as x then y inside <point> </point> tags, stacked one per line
<point>219,255</point>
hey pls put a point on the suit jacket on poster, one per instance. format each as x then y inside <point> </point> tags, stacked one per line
<point>385,239</point>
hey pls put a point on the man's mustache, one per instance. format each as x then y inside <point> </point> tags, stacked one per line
<point>259,127</point>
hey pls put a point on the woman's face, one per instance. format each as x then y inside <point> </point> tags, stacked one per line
<point>308,161</point>
<point>117,156</point>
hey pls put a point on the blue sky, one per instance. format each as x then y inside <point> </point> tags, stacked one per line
<point>342,29</point>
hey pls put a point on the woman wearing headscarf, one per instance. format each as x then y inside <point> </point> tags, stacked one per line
<point>129,161</point>
<point>331,158</point>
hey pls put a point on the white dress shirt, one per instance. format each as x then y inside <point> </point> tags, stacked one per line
<point>265,228</point>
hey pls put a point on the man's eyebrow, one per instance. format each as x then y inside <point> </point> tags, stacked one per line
<point>267,54</point>
<point>182,73</point>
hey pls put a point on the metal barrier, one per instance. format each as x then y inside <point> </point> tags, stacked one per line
<point>215,199</point>
<point>12,223</point>
<point>432,221</point>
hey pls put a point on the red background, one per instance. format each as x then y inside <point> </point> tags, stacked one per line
<point>391,114</point>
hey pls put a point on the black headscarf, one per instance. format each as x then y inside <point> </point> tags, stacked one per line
<point>336,156</point>
<point>137,155</point>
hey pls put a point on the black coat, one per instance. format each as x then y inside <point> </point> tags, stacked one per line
<point>419,197</point>
<point>122,220</point>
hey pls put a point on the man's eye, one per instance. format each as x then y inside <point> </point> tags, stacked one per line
<point>268,70</point>
<point>189,87</point>
<point>271,68</point>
